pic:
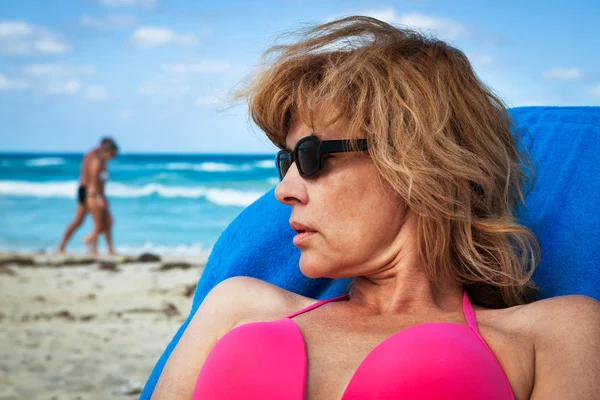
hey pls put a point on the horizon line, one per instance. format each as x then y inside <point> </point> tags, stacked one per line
<point>68,153</point>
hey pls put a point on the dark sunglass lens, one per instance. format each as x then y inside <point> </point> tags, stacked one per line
<point>283,164</point>
<point>308,157</point>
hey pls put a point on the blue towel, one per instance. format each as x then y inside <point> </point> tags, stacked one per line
<point>563,210</point>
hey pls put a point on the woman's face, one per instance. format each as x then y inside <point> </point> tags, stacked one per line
<point>355,215</point>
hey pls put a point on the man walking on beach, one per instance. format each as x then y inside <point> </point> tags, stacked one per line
<point>92,199</point>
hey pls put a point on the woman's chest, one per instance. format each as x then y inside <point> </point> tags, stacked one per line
<point>414,359</point>
<point>333,360</point>
<point>330,358</point>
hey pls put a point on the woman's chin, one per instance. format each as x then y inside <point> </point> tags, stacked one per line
<point>312,269</point>
<point>312,273</point>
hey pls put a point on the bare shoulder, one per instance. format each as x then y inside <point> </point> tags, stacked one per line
<point>233,302</point>
<point>244,299</point>
<point>549,317</point>
<point>561,318</point>
<point>565,332</point>
<point>572,321</point>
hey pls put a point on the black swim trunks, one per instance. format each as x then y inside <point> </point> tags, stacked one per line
<point>82,194</point>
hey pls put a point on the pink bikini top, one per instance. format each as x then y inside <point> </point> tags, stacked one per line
<point>438,360</point>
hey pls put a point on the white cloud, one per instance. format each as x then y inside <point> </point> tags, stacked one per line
<point>10,84</point>
<point>56,79</point>
<point>441,28</point>
<point>21,38</point>
<point>53,79</point>
<point>69,87</point>
<point>96,93</point>
<point>147,37</point>
<point>107,22</point>
<point>178,79</point>
<point>199,67</point>
<point>56,70</point>
<point>129,3</point>
<point>50,45</point>
<point>15,29</point>
<point>595,91</point>
<point>563,74</point>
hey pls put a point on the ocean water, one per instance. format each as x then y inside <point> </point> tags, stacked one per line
<point>167,204</point>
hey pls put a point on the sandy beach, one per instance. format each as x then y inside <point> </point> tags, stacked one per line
<point>79,328</point>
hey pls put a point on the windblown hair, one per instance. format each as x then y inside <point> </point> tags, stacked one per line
<point>438,136</point>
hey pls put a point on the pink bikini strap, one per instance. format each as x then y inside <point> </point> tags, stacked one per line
<point>318,304</point>
<point>467,309</point>
<point>469,313</point>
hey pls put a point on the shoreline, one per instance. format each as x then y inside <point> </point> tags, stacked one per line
<point>78,327</point>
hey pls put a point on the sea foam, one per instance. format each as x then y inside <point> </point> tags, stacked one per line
<point>207,167</point>
<point>44,162</point>
<point>67,189</point>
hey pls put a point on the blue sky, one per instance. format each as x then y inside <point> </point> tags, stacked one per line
<point>156,74</point>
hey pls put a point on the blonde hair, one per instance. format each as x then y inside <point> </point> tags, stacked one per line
<point>438,136</point>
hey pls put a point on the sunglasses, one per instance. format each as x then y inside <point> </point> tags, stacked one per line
<point>308,154</point>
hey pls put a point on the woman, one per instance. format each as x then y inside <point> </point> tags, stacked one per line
<point>402,173</point>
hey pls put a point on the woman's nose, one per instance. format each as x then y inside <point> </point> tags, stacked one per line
<point>292,188</point>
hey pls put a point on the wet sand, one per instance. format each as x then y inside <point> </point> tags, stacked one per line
<point>78,328</point>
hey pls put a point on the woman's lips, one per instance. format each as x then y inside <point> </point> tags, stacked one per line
<point>302,236</point>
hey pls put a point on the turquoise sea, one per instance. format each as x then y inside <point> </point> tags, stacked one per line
<point>167,204</point>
